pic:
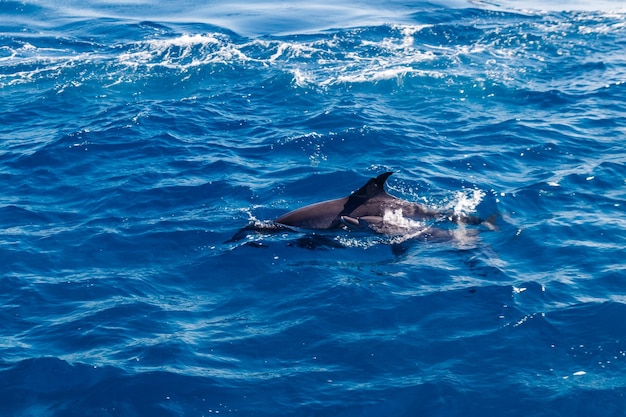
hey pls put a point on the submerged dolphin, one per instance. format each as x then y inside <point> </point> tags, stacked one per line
<point>368,207</point>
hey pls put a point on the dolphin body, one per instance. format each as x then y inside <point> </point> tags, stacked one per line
<point>367,208</point>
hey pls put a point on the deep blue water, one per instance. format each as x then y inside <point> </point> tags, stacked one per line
<point>137,139</point>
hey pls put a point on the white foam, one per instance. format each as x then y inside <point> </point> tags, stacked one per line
<point>401,228</point>
<point>396,218</point>
<point>318,62</point>
<point>465,202</point>
<point>188,50</point>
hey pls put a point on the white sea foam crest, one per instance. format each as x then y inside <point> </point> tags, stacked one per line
<point>321,62</point>
<point>465,203</point>
<point>352,56</point>
<point>316,62</point>
<point>183,51</point>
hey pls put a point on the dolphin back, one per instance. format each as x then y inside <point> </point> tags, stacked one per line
<point>327,214</point>
<point>324,215</point>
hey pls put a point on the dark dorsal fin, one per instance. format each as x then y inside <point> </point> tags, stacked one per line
<point>374,187</point>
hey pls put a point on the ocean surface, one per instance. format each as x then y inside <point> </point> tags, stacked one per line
<point>146,146</point>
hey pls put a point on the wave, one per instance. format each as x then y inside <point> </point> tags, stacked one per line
<point>470,52</point>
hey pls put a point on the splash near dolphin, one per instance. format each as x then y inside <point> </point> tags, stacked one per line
<point>370,207</point>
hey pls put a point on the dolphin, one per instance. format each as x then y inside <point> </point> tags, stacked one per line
<point>366,208</point>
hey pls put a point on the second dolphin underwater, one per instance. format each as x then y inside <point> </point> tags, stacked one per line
<point>370,207</point>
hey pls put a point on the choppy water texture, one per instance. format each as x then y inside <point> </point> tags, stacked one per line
<point>138,139</point>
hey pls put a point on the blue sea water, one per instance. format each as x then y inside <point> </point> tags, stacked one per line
<point>138,138</point>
